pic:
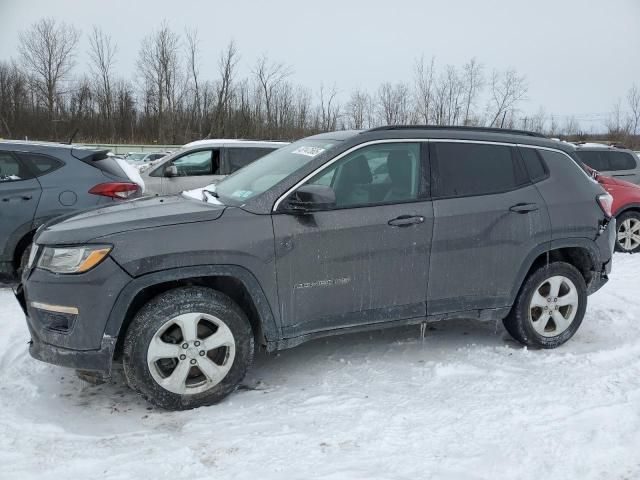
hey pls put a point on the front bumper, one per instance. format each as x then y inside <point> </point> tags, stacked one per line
<point>68,339</point>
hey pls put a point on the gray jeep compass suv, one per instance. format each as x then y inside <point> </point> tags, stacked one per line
<point>335,233</point>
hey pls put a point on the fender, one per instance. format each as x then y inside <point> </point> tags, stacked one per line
<point>118,312</point>
<point>575,242</point>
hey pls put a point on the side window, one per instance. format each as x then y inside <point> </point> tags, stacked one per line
<point>11,170</point>
<point>534,164</point>
<point>203,162</point>
<point>595,160</point>
<point>621,161</point>
<point>373,175</point>
<point>238,157</point>
<point>40,164</point>
<point>466,169</point>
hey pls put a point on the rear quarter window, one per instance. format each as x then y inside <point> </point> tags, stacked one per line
<point>40,164</point>
<point>534,164</point>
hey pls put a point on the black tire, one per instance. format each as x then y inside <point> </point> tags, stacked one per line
<point>631,215</point>
<point>519,324</point>
<point>155,314</point>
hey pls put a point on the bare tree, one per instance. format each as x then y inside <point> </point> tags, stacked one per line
<point>193,66</point>
<point>226,69</point>
<point>506,90</point>
<point>393,103</point>
<point>328,110</point>
<point>47,52</point>
<point>269,76</point>
<point>448,98</point>
<point>424,89</point>
<point>618,125</point>
<point>633,99</point>
<point>472,81</point>
<point>102,52</point>
<point>357,114</point>
<point>159,63</point>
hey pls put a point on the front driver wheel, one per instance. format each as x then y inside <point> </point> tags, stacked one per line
<point>628,237</point>
<point>187,348</point>
<point>549,308</point>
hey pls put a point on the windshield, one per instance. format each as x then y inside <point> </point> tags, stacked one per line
<point>264,173</point>
<point>136,157</point>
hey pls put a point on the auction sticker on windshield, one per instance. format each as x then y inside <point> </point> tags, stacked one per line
<point>308,151</point>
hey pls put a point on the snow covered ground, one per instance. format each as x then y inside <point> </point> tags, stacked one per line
<point>465,403</point>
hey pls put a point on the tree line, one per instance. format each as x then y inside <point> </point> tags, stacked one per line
<point>45,94</point>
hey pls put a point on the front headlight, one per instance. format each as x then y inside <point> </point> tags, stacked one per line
<point>72,259</point>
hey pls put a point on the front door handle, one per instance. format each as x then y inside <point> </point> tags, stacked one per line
<point>524,207</point>
<point>406,220</point>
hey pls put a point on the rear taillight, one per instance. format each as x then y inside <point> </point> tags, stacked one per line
<point>121,190</point>
<point>606,202</point>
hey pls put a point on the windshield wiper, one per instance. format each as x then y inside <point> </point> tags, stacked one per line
<point>213,193</point>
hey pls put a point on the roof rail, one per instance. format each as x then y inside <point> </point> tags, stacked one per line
<point>464,128</point>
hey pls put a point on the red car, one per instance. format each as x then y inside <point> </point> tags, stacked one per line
<point>626,210</point>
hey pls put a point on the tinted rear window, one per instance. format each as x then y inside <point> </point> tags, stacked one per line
<point>464,169</point>
<point>621,160</point>
<point>595,160</point>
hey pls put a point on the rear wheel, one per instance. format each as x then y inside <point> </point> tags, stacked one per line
<point>628,237</point>
<point>549,308</point>
<point>187,348</point>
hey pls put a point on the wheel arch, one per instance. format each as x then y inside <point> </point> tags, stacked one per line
<point>579,252</point>
<point>235,281</point>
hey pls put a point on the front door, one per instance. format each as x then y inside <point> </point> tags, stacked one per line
<point>488,218</point>
<point>367,260</point>
<point>19,196</point>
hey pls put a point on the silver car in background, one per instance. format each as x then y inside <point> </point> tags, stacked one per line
<point>203,162</point>
<point>611,161</point>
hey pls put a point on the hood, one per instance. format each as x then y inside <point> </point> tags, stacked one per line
<point>126,216</point>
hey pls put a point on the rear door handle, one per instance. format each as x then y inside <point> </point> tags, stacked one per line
<point>524,207</point>
<point>406,220</point>
<point>21,197</point>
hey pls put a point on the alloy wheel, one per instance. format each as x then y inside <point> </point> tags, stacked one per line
<point>629,234</point>
<point>553,306</point>
<point>191,353</point>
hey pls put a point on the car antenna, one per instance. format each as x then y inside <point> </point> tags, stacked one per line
<point>73,135</point>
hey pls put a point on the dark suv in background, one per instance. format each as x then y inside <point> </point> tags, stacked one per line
<point>335,233</point>
<point>40,181</point>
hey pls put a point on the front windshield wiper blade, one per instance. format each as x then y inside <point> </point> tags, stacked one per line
<point>213,193</point>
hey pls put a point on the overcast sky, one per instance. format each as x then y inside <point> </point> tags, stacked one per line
<point>579,56</point>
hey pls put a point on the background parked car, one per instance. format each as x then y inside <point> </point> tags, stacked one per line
<point>611,161</point>
<point>40,181</point>
<point>202,163</point>
<point>626,209</point>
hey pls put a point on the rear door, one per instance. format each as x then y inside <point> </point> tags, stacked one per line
<point>366,260</point>
<point>19,196</point>
<point>488,217</point>
<point>236,157</point>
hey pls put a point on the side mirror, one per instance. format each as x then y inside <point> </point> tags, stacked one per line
<point>311,198</point>
<point>171,171</point>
